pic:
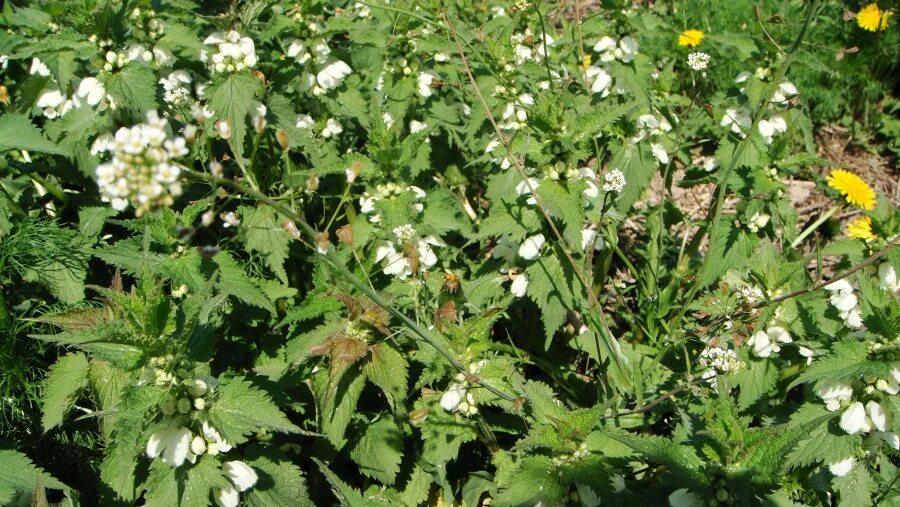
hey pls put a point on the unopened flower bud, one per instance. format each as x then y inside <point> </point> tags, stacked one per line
<point>198,388</point>
<point>184,405</point>
<point>223,128</point>
<point>199,404</point>
<point>282,138</point>
<point>167,406</point>
<point>198,445</point>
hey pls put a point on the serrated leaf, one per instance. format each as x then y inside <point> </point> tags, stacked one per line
<point>232,99</point>
<point>134,88</point>
<point>20,476</point>
<point>387,368</point>
<point>241,409</point>
<point>379,451</point>
<point>554,288</point>
<point>280,482</point>
<point>264,235</point>
<point>18,133</point>
<point>62,386</point>
<point>848,360</point>
<point>336,411</point>
<point>199,481</point>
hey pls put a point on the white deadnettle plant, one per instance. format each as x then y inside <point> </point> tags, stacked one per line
<point>233,53</point>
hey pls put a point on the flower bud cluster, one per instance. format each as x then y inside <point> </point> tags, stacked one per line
<point>458,398</point>
<point>143,171</point>
<point>233,52</point>
<point>389,191</point>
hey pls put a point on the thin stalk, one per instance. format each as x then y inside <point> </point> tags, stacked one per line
<point>815,225</point>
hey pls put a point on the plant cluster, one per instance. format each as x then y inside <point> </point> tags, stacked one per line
<point>311,252</point>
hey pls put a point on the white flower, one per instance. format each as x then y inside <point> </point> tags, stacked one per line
<point>453,396</point>
<point>417,126</point>
<point>698,61</point>
<point>143,171</point>
<point>531,247</point>
<point>834,394</point>
<point>173,445</point>
<point>396,263</point>
<point>50,101</point>
<point>738,119</point>
<point>176,90</point>
<point>258,117</point>
<point>854,420</point>
<point>223,129</point>
<point>214,442</point>
<point>625,50</point>
<point>601,80</point>
<point>887,275</point>
<point>808,353</point>
<point>424,82</point>
<point>841,468</point>
<point>38,67</point>
<point>519,285</point>
<point>719,361</point>
<point>242,475</point>
<point>771,127</point>
<point>785,91</point>
<point>659,153</point>
<point>614,181</point>
<point>234,53</point>
<point>628,48</point>
<point>877,415</point>
<point>758,221</point>
<point>890,438</point>
<point>298,51</point>
<point>763,346</point>
<point>332,74</point>
<point>91,90</point>
<point>227,496</point>
<point>710,164</point>
<point>590,238</point>
<point>305,121</point>
<point>332,128</point>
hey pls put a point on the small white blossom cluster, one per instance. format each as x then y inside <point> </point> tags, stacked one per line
<point>529,47</point>
<point>577,455</point>
<point>176,88</point>
<point>719,361</point>
<point>54,104</point>
<point>599,76</point>
<point>654,128</point>
<point>519,285</point>
<point>457,398</point>
<point>845,301</point>
<point>758,221</point>
<point>397,262</point>
<point>887,275</point>
<point>614,181</point>
<point>332,127</point>
<point>143,171</point>
<point>515,114</point>
<point>698,61</point>
<point>389,191</point>
<point>750,294</point>
<point>233,52</point>
<point>427,82</point>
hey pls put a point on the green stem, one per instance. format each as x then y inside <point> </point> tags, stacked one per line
<point>815,225</point>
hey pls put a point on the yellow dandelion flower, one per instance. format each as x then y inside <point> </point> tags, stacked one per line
<point>861,228</point>
<point>872,18</point>
<point>691,38</point>
<point>585,61</point>
<point>853,188</point>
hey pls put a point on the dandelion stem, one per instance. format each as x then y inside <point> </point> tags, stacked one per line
<point>815,225</point>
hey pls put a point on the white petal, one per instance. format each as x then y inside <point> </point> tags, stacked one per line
<point>779,334</point>
<point>178,446</point>
<point>156,444</point>
<point>227,497</point>
<point>877,415</point>
<point>452,397</point>
<point>890,438</point>
<point>519,286</point>
<point>531,247</point>
<point>242,475</point>
<point>841,468</point>
<point>853,420</point>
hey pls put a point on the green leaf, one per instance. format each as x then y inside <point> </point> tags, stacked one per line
<point>680,460</point>
<point>848,360</point>
<point>344,492</point>
<point>235,282</point>
<point>280,482</point>
<point>18,133</point>
<point>161,486</point>
<point>200,481</point>
<point>855,489</point>
<point>336,411</point>
<point>532,485</point>
<point>733,247</point>
<point>232,99</point>
<point>264,235</point>
<point>134,88</point>
<point>379,451</point>
<point>387,368</point>
<point>554,288</point>
<point>756,381</point>
<point>91,220</point>
<point>19,477</point>
<point>62,386</point>
<point>241,409</point>
<point>638,165</point>
<point>564,204</point>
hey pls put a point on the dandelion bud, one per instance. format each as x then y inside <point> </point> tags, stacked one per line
<point>184,405</point>
<point>282,138</point>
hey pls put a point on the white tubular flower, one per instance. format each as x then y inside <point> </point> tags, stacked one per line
<point>234,53</point>
<point>143,171</point>
<point>628,49</point>
<point>396,263</point>
<point>854,420</point>
<point>299,52</point>
<point>785,91</point>
<point>834,394</point>
<point>846,302</point>
<point>227,497</point>
<point>601,80</point>
<point>762,344</point>
<point>258,117</point>
<point>877,415</point>
<point>176,87</point>
<point>685,498</point>
<point>841,468</point>
<point>738,119</point>
<point>590,239</point>
<point>305,121</point>
<point>771,127</point>
<point>808,353</point>
<point>531,247</point>
<point>453,396</point>
<point>332,128</point>
<point>519,285</point>
<point>52,103</point>
<point>91,91</point>
<point>614,181</point>
<point>332,74</point>
<point>887,275</point>
<point>659,153</point>
<point>890,438</point>
<point>214,442</point>
<point>172,445</point>
<point>417,126</point>
<point>425,81</point>
<point>39,68</point>
<point>241,474</point>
